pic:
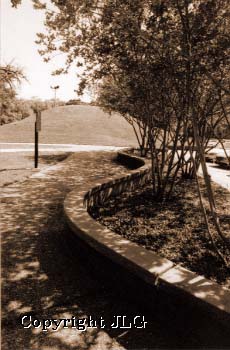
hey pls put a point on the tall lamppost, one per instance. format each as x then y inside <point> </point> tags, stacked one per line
<point>55,93</point>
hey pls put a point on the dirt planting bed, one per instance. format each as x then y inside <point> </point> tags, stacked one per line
<point>174,230</point>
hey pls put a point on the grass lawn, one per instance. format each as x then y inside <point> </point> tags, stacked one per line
<point>73,124</point>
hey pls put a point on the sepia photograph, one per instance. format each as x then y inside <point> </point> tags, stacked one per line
<point>115,174</point>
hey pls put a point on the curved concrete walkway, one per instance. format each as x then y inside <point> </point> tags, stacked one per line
<point>46,275</point>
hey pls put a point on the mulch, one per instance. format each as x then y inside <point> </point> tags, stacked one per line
<point>174,229</point>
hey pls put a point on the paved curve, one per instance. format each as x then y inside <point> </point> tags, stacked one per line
<point>8,151</point>
<point>45,275</point>
<point>17,159</point>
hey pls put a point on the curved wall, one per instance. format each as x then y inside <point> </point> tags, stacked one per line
<point>173,279</point>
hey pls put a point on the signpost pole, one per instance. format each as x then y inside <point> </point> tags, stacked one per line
<point>37,128</point>
<point>36,147</point>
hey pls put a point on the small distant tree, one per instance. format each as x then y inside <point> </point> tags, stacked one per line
<point>10,76</point>
<point>10,107</point>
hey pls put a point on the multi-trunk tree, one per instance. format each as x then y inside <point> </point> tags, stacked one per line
<point>163,64</point>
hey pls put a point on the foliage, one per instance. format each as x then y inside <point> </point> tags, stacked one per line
<point>36,104</point>
<point>74,102</point>
<point>163,63</point>
<point>114,95</point>
<point>10,107</point>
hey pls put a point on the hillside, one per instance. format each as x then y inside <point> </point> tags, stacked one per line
<point>72,124</point>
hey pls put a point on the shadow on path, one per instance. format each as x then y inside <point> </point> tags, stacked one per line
<point>47,275</point>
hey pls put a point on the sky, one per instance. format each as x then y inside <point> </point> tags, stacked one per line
<point>18,34</point>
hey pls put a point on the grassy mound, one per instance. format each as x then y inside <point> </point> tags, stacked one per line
<point>73,124</point>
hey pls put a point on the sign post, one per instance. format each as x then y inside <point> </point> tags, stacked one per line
<point>37,128</point>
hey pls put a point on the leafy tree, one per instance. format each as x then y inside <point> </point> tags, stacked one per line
<point>171,60</point>
<point>10,107</point>
<point>116,95</point>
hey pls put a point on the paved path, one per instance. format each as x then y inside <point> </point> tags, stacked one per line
<point>12,147</point>
<point>20,156</point>
<point>45,275</point>
<point>219,175</point>
<point>17,159</point>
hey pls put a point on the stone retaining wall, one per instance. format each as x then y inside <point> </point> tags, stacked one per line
<point>137,178</point>
<point>173,280</point>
